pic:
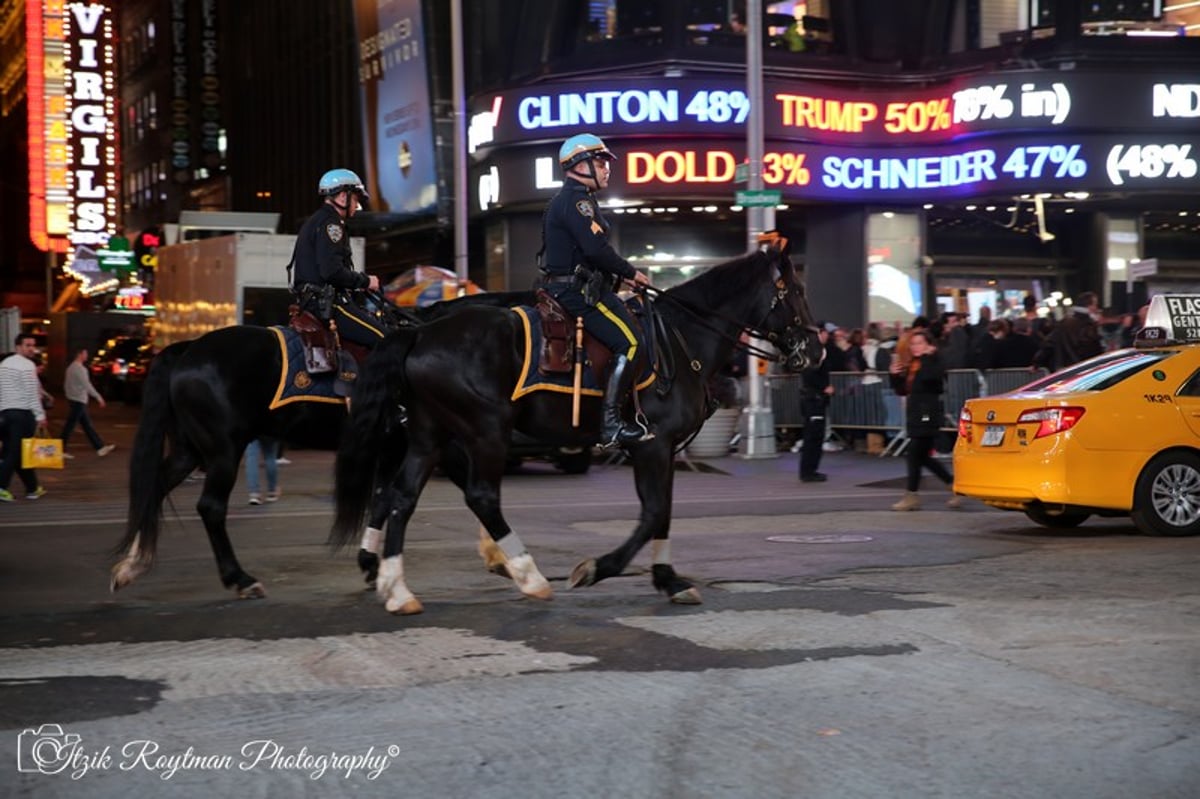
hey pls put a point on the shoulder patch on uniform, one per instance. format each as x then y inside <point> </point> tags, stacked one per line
<point>584,207</point>
<point>334,232</point>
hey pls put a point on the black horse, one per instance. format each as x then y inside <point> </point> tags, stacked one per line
<point>203,402</point>
<point>448,385</point>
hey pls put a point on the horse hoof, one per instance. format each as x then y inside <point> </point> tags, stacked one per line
<point>529,580</point>
<point>409,607</point>
<point>689,596</point>
<point>122,575</point>
<point>541,591</point>
<point>253,591</point>
<point>583,574</point>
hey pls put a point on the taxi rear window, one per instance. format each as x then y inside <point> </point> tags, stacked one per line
<point>1100,373</point>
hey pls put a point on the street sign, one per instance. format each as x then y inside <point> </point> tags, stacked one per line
<point>1140,270</point>
<point>1143,268</point>
<point>741,173</point>
<point>766,197</point>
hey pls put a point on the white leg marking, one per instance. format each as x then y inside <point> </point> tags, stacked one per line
<point>522,568</point>
<point>393,590</point>
<point>130,567</point>
<point>661,552</point>
<point>372,540</point>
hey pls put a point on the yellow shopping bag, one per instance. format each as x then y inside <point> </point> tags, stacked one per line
<point>41,453</point>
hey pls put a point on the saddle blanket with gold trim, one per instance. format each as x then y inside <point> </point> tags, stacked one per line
<point>533,380</point>
<point>295,384</point>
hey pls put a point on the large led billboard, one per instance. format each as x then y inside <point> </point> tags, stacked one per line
<point>396,115</point>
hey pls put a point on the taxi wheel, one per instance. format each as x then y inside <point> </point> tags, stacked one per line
<point>1060,520</point>
<point>1167,498</point>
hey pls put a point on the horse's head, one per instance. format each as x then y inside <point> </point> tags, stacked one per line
<point>789,324</point>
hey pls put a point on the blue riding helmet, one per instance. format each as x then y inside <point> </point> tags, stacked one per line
<point>582,147</point>
<point>338,180</point>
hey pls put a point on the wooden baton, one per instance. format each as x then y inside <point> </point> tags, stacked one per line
<point>575,395</point>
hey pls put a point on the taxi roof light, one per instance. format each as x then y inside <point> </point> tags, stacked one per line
<point>1170,319</point>
<point>1052,421</point>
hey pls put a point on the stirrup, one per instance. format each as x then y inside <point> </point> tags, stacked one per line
<point>628,434</point>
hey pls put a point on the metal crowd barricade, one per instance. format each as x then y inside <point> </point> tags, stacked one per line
<point>961,385</point>
<point>865,400</point>
<point>784,393</point>
<point>1002,381</point>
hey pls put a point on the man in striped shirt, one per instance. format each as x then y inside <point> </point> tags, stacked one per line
<point>22,414</point>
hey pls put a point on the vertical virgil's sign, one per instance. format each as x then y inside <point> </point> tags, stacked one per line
<point>73,153</point>
<point>397,118</point>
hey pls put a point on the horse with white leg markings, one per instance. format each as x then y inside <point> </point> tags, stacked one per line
<point>456,381</point>
<point>203,402</point>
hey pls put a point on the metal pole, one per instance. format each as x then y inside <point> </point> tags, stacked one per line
<point>758,423</point>
<point>460,141</point>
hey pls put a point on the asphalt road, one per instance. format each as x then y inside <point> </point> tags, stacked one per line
<point>842,650</point>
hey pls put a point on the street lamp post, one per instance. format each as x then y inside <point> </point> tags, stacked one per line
<point>758,422</point>
<point>459,101</point>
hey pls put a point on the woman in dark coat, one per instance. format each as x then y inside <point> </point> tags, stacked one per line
<point>923,382</point>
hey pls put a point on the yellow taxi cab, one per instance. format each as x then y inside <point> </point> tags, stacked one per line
<point>1115,435</point>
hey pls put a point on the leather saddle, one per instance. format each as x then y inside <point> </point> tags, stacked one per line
<point>324,351</point>
<point>557,354</point>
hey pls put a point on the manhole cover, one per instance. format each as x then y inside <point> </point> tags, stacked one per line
<point>820,539</point>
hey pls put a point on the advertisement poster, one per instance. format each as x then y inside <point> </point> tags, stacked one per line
<point>397,118</point>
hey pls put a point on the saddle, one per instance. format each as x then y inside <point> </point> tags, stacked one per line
<point>557,355</point>
<point>324,351</point>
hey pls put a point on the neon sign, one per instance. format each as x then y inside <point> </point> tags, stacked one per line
<point>72,124</point>
<point>806,111</point>
<point>1180,100</point>
<point>815,172</point>
<point>1131,162</point>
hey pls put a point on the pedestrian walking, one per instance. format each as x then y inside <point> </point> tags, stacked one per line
<point>266,449</point>
<point>78,388</point>
<point>922,382</point>
<point>22,413</point>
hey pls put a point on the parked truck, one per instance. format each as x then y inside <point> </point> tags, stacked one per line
<point>240,278</point>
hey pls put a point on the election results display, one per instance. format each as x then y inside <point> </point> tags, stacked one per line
<point>1009,164</point>
<point>1010,132</point>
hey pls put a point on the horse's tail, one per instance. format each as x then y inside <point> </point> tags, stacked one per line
<point>147,477</point>
<point>374,440</point>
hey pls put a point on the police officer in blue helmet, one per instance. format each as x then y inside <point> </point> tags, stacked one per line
<point>580,268</point>
<point>325,274</point>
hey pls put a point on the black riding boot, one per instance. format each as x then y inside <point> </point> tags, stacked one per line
<point>616,432</point>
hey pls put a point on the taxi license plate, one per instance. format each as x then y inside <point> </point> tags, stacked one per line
<point>993,436</point>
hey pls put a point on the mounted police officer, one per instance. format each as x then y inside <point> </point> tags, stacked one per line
<point>324,271</point>
<point>579,270</point>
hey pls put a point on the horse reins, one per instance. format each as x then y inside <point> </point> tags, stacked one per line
<point>702,318</point>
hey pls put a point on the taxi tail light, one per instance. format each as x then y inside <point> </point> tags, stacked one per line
<point>1052,421</point>
<point>964,426</point>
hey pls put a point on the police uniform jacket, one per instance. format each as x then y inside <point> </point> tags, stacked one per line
<point>576,233</point>
<point>322,255</point>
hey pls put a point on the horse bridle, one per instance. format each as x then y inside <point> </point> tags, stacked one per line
<point>794,326</point>
<point>782,292</point>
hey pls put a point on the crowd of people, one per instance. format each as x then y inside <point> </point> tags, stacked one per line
<point>1029,340</point>
<point>915,361</point>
